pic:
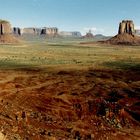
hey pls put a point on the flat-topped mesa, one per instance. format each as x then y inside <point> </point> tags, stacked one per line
<point>52,32</point>
<point>75,34</point>
<point>31,31</point>
<point>126,26</point>
<point>5,27</point>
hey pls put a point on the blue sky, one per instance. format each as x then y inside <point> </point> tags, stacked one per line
<point>102,16</point>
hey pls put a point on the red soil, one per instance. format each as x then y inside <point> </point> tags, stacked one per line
<point>83,105</point>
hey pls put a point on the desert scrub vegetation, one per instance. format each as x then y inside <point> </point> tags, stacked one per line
<point>66,53</point>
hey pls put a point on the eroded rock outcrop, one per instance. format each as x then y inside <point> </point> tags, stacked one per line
<point>32,31</point>
<point>126,35</point>
<point>6,35</point>
<point>126,26</point>
<point>5,27</point>
<point>74,34</point>
<point>50,32</point>
<point>16,31</point>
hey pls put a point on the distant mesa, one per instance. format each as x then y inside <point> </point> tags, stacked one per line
<point>6,35</point>
<point>17,31</point>
<point>50,32</point>
<point>126,35</point>
<point>11,35</point>
<point>89,35</point>
<point>74,34</point>
<point>31,31</point>
<point>100,37</point>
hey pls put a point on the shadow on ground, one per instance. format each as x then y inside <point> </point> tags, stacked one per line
<point>124,65</point>
<point>13,65</point>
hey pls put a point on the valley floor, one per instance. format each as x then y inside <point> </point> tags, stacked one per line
<point>69,91</point>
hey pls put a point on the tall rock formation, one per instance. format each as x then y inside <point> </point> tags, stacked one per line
<point>29,31</point>
<point>126,26</point>
<point>126,35</point>
<point>5,27</point>
<point>6,35</point>
<point>17,31</point>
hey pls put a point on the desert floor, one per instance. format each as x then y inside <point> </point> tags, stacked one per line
<point>67,90</point>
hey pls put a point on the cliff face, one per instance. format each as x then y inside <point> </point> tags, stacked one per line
<point>126,35</point>
<point>126,26</point>
<point>70,34</point>
<point>32,31</point>
<point>51,32</point>
<point>5,27</point>
<point>6,35</point>
<point>16,31</point>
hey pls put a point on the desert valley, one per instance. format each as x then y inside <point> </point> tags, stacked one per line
<point>64,86</point>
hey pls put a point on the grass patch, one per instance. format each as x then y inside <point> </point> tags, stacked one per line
<point>69,53</point>
<point>124,64</point>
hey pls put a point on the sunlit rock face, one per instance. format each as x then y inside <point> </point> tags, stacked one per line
<point>53,31</point>
<point>6,35</point>
<point>5,27</point>
<point>32,31</point>
<point>126,26</point>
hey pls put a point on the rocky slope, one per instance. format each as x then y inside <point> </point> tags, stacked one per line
<point>83,105</point>
<point>126,35</point>
<point>124,39</point>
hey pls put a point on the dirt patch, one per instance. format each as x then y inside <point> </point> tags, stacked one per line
<point>82,104</point>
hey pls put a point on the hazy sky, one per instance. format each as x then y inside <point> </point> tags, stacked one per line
<point>102,16</point>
